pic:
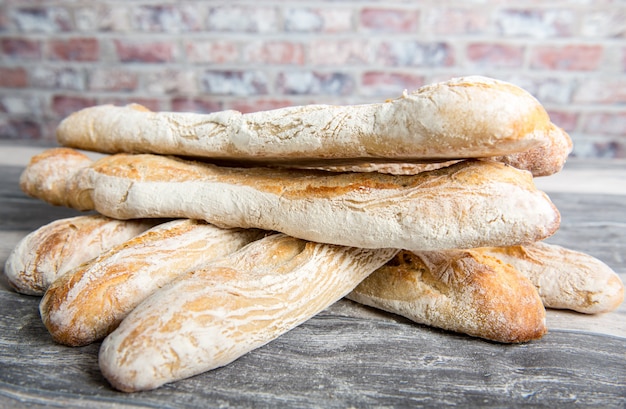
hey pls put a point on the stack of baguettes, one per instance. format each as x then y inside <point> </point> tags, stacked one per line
<point>216,233</point>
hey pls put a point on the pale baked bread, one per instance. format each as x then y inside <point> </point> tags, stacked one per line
<point>565,279</point>
<point>208,318</point>
<point>89,301</point>
<point>543,160</point>
<point>468,117</point>
<point>457,290</point>
<point>51,250</point>
<point>469,204</point>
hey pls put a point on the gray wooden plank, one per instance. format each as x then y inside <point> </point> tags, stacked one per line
<point>332,361</point>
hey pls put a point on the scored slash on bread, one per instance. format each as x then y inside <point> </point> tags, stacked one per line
<point>89,301</point>
<point>565,279</point>
<point>209,317</point>
<point>50,251</point>
<point>470,117</point>
<point>469,204</point>
<point>457,290</point>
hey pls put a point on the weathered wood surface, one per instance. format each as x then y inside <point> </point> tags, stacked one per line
<point>349,355</point>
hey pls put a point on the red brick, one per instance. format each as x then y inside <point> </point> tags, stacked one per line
<point>246,105</point>
<point>566,120</point>
<point>59,77</point>
<point>390,20</point>
<point>17,128</point>
<point>274,52</point>
<point>569,57</point>
<point>390,84</point>
<point>248,19</point>
<point>42,19</point>
<point>445,20</point>
<point>315,83</point>
<point>64,105</point>
<point>145,51</point>
<point>216,51</point>
<point>21,49</point>
<point>113,79</point>
<point>495,55</point>
<point>74,49</point>
<point>235,82</point>
<point>13,77</point>
<point>200,105</point>
<point>539,23</point>
<point>601,91</point>
<point>340,52</point>
<point>415,53</point>
<point>603,123</point>
<point>166,18</point>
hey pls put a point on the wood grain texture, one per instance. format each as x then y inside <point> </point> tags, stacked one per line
<point>348,355</point>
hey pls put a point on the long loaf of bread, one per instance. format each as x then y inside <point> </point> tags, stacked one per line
<point>470,117</point>
<point>88,302</point>
<point>52,250</point>
<point>543,160</point>
<point>470,204</point>
<point>207,318</point>
<point>457,290</point>
<point>565,279</point>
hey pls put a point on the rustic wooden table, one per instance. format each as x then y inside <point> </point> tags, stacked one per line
<point>349,355</point>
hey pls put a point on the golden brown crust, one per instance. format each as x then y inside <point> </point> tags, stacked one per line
<point>457,290</point>
<point>52,250</point>
<point>89,301</point>
<point>564,278</point>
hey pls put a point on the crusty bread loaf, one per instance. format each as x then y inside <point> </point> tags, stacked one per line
<point>51,250</point>
<point>457,290</point>
<point>470,204</point>
<point>88,302</point>
<point>565,279</point>
<point>543,160</point>
<point>467,117</point>
<point>208,318</point>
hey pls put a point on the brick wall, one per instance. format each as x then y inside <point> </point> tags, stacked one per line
<point>203,56</point>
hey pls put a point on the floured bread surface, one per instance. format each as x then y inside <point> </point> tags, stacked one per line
<point>469,204</point>
<point>457,290</point>
<point>52,250</point>
<point>565,279</point>
<point>212,316</point>
<point>468,117</point>
<point>88,302</point>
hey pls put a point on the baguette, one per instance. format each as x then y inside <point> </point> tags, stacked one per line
<point>543,160</point>
<point>52,250</point>
<point>88,302</point>
<point>565,279</point>
<point>457,290</point>
<point>471,117</point>
<point>207,318</point>
<point>470,204</point>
